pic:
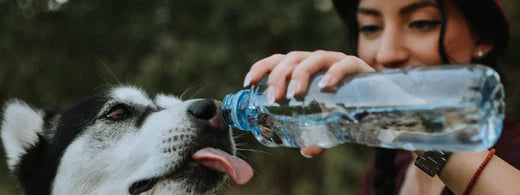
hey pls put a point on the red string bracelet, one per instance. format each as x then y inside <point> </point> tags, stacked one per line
<point>479,170</point>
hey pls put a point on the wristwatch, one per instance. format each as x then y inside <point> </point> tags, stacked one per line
<point>432,161</point>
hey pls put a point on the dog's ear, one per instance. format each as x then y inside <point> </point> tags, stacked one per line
<point>20,127</point>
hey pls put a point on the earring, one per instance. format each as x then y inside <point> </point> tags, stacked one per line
<point>480,54</point>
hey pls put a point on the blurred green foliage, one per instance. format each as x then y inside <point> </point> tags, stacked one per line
<point>52,55</point>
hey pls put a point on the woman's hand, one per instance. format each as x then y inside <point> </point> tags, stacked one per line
<point>298,66</point>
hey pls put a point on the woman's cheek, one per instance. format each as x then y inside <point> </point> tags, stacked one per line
<point>367,51</point>
<point>424,50</point>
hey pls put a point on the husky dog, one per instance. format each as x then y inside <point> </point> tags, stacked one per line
<point>121,142</point>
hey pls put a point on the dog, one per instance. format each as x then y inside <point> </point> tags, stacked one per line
<point>121,141</point>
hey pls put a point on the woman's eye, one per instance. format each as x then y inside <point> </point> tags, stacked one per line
<point>424,25</point>
<point>118,113</point>
<point>369,29</point>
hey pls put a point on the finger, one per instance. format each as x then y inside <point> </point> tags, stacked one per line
<point>262,67</point>
<point>281,72</point>
<point>312,151</point>
<point>316,61</point>
<point>346,66</point>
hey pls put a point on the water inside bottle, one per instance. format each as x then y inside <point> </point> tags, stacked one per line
<point>411,127</point>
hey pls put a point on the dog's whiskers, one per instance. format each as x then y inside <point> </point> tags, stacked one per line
<point>241,144</point>
<point>108,69</point>
<point>241,156</point>
<point>186,91</point>
<point>127,78</point>
<point>189,88</point>
<point>98,73</point>
<point>253,150</point>
<point>106,86</point>
<point>198,91</point>
<point>239,135</point>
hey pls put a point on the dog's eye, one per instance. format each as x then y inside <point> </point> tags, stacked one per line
<point>119,112</point>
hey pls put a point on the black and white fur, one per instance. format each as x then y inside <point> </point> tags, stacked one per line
<point>119,142</point>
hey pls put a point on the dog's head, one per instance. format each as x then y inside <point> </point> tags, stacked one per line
<point>121,142</point>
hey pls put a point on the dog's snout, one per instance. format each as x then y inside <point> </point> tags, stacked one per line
<point>203,109</point>
<point>207,109</point>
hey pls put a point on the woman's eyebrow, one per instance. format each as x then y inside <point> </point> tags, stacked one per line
<point>415,6</point>
<point>368,11</point>
<point>405,10</point>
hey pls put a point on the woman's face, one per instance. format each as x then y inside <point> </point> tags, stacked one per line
<point>399,33</point>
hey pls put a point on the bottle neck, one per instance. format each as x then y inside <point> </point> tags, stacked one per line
<point>234,110</point>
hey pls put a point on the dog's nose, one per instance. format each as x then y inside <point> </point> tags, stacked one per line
<point>203,109</point>
<point>207,109</point>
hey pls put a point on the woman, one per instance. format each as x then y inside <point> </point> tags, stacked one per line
<point>400,33</point>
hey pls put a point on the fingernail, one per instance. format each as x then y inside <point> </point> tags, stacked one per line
<point>270,95</point>
<point>247,80</point>
<point>294,85</point>
<point>324,81</point>
<point>305,155</point>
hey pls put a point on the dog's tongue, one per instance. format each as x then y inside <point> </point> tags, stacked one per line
<point>218,160</point>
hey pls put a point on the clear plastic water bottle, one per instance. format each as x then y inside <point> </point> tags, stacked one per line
<point>450,108</point>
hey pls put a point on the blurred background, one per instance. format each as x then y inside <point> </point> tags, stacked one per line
<point>53,53</point>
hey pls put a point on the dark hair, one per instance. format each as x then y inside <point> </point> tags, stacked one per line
<point>347,10</point>
<point>485,19</point>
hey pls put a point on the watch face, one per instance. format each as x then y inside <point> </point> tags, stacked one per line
<point>432,162</point>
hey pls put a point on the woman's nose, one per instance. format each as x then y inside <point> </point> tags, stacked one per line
<point>392,51</point>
